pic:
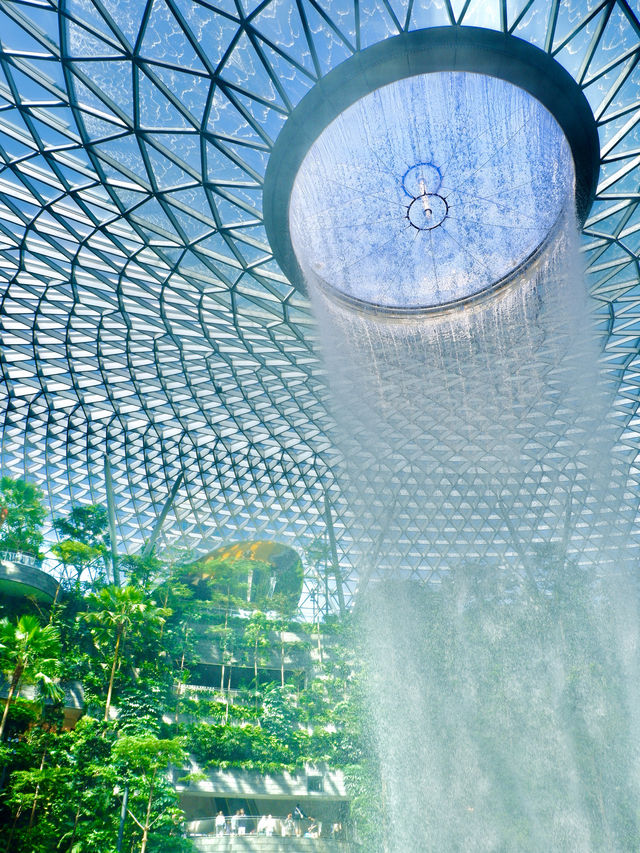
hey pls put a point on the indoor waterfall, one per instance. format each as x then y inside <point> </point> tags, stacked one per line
<point>435,224</point>
<point>502,650</point>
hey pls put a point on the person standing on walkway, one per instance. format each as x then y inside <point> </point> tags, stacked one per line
<point>221,824</point>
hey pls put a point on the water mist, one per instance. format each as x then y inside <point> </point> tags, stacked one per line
<point>433,222</point>
<point>498,605</point>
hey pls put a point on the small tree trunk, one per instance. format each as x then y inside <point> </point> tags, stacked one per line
<point>13,828</point>
<point>281,658</point>
<point>75,826</point>
<point>166,599</point>
<point>55,601</point>
<point>249,585</point>
<point>180,687</point>
<point>113,673</point>
<point>147,820</point>
<point>15,679</point>
<point>225,641</point>
<point>255,668</point>
<point>35,798</point>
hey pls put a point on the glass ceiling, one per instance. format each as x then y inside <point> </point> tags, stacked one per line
<point>143,315</point>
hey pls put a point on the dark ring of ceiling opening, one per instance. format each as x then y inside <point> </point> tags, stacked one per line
<point>442,49</point>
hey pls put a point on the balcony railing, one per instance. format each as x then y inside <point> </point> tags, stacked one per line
<point>20,558</point>
<point>268,825</point>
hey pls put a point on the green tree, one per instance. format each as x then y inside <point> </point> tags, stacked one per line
<point>21,504</point>
<point>86,537</point>
<point>255,638</point>
<point>117,614</point>
<point>86,524</point>
<point>144,758</point>
<point>29,652</point>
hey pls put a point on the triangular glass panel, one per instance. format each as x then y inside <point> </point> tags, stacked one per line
<point>75,176</point>
<point>632,243</point>
<point>124,151</point>
<point>601,90</point>
<point>216,244</point>
<point>42,190</point>
<point>245,69</point>
<point>570,16</point>
<point>231,214</point>
<point>87,97</point>
<point>330,48</point>
<point>184,148</point>
<point>291,79</point>
<point>85,10</point>
<point>227,274</point>
<point>376,24</point>
<point>483,13</point>
<point>618,38</point>
<point>269,120</point>
<point>98,128</point>
<point>192,90</point>
<point>156,110</point>
<point>195,199</point>
<point>280,23</point>
<point>430,13</point>
<point>126,17</point>
<point>254,159</point>
<point>114,79</point>
<point>629,144</point>
<point>166,173</point>
<point>50,73</point>
<point>82,44</point>
<point>202,19</point>
<point>221,169</point>
<point>28,88</point>
<point>612,129</point>
<point>252,198</point>
<point>534,23</point>
<point>628,95</point>
<point>50,138</point>
<point>604,222</point>
<point>627,183</point>
<point>573,55</point>
<point>164,40</point>
<point>14,37</point>
<point>226,119</point>
<point>194,228</point>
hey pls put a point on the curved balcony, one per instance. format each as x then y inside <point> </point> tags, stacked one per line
<point>21,575</point>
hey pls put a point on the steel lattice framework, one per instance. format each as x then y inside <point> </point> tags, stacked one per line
<point>143,315</point>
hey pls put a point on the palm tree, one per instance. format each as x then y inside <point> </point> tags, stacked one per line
<point>28,652</point>
<point>117,612</point>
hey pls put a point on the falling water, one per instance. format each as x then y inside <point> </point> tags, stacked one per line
<point>498,604</point>
<point>484,468</point>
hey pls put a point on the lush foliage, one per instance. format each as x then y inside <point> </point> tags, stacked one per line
<point>85,537</point>
<point>22,514</point>
<point>29,652</point>
<point>136,649</point>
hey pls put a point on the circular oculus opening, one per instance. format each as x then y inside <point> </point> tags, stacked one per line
<point>429,191</point>
<point>429,170</point>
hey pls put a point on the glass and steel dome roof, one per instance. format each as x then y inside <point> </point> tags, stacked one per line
<point>143,314</point>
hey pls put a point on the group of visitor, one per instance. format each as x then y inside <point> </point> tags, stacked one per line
<point>295,825</point>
